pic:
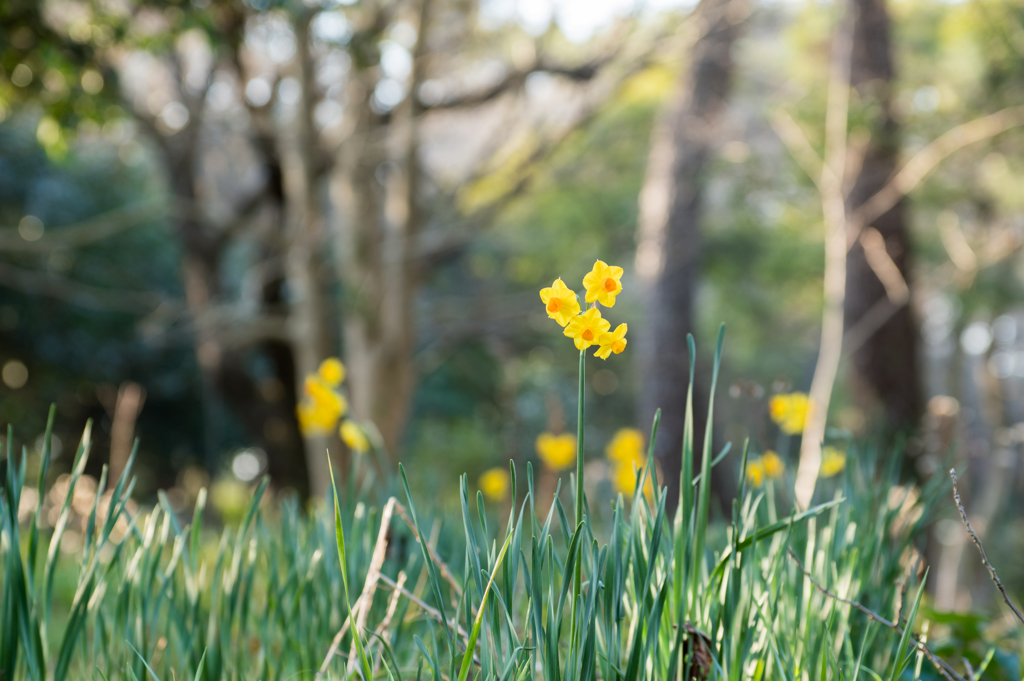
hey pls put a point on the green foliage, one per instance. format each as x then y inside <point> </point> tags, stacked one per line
<point>659,596</point>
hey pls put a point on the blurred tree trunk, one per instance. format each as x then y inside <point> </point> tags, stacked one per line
<point>671,203</point>
<point>265,409</point>
<point>885,365</point>
<point>308,312</point>
<point>381,221</point>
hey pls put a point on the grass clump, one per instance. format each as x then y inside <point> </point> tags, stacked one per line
<point>646,595</point>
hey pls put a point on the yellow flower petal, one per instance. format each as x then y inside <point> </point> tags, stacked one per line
<point>603,284</point>
<point>612,342</point>
<point>560,302</point>
<point>585,329</point>
<point>332,371</point>
<point>353,435</point>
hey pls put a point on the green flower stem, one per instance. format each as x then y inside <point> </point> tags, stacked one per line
<point>578,582</point>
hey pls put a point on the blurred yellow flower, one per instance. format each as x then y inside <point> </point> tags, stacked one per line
<point>494,483</point>
<point>602,284</point>
<point>332,371</point>
<point>625,446</point>
<point>558,452</point>
<point>323,397</point>
<point>612,342</point>
<point>755,472</point>
<point>353,435</point>
<point>833,462</point>
<point>584,329</point>
<point>624,477</point>
<point>789,411</point>
<point>560,302</point>
<point>320,408</point>
<point>625,452</point>
<point>773,465</point>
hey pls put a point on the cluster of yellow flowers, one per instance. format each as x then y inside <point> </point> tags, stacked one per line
<point>323,404</point>
<point>558,452</point>
<point>768,465</point>
<point>789,411</point>
<point>625,453</point>
<point>588,328</point>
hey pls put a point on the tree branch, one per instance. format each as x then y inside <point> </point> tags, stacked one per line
<point>87,231</point>
<point>515,79</point>
<point>77,293</point>
<point>981,549</point>
<point>926,160</point>
<point>940,665</point>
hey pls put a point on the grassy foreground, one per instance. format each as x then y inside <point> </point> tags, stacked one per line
<point>660,596</point>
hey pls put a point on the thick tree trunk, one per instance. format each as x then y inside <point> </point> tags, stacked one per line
<point>377,267</point>
<point>671,205</point>
<point>309,312</point>
<point>885,366</point>
<point>381,221</point>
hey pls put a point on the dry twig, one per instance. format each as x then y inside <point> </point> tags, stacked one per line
<point>981,549</point>
<point>940,665</point>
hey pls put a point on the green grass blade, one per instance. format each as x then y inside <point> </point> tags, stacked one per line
<point>340,535</point>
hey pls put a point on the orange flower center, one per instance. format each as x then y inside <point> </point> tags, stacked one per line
<point>610,284</point>
<point>618,346</point>
<point>554,305</point>
<point>587,335</point>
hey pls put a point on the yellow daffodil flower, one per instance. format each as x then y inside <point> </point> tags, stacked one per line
<point>625,452</point>
<point>614,341</point>
<point>323,397</point>
<point>625,446</point>
<point>332,371</point>
<point>833,462</point>
<point>789,411</point>
<point>603,284</point>
<point>314,420</point>
<point>773,466</point>
<point>584,329</point>
<point>755,472</point>
<point>321,407</point>
<point>624,477</point>
<point>558,452</point>
<point>560,302</point>
<point>353,435</point>
<point>495,483</point>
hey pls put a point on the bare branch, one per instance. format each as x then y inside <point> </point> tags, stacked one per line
<point>981,549</point>
<point>515,79</point>
<point>870,322</point>
<point>881,263</point>
<point>87,231</point>
<point>362,604</point>
<point>955,243</point>
<point>833,206</point>
<point>77,293</point>
<point>926,160</point>
<point>426,608</point>
<point>445,572</point>
<point>940,665</point>
<point>792,135</point>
